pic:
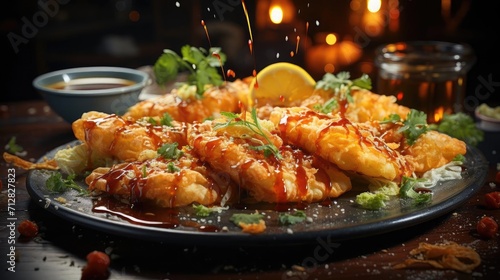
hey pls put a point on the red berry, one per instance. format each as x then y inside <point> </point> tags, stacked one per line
<point>487,227</point>
<point>97,266</point>
<point>28,228</point>
<point>492,200</point>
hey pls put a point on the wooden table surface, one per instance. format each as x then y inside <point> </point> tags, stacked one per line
<point>59,250</point>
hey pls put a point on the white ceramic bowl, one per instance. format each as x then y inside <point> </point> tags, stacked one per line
<point>72,92</point>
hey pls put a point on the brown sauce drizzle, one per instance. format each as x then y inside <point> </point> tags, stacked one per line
<point>305,117</point>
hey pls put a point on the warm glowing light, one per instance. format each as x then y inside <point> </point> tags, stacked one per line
<point>329,68</point>
<point>355,5</point>
<point>438,114</point>
<point>373,5</point>
<point>323,57</point>
<point>400,96</point>
<point>134,16</point>
<point>366,67</point>
<point>276,14</point>
<point>331,39</point>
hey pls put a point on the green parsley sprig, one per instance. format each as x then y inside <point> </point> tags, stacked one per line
<point>267,148</point>
<point>12,147</point>
<point>460,126</point>
<point>414,125</point>
<point>205,211</point>
<point>203,66</point>
<point>341,86</point>
<point>244,218</point>
<point>57,184</point>
<point>170,151</point>
<point>165,120</point>
<point>292,218</point>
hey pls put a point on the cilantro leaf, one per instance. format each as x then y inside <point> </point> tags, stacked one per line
<point>57,184</point>
<point>171,168</point>
<point>13,147</point>
<point>414,125</point>
<point>203,66</point>
<point>166,120</point>
<point>167,67</point>
<point>327,107</point>
<point>234,119</point>
<point>204,211</point>
<point>292,218</point>
<point>460,126</point>
<point>253,218</point>
<point>341,86</point>
<point>170,151</point>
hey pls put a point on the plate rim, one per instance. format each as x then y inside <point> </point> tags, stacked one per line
<point>123,228</point>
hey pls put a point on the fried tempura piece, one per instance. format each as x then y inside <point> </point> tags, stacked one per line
<point>365,105</point>
<point>214,100</point>
<point>348,145</point>
<point>113,136</point>
<point>296,177</point>
<point>432,150</point>
<point>164,183</point>
<point>449,255</point>
<point>28,165</point>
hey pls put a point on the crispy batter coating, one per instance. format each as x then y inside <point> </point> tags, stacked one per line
<point>113,136</point>
<point>215,100</point>
<point>340,141</point>
<point>365,105</point>
<point>432,150</point>
<point>294,178</point>
<point>164,183</point>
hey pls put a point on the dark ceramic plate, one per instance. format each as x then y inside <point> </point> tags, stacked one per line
<point>339,221</point>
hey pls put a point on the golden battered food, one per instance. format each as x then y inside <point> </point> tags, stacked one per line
<point>225,98</point>
<point>340,141</point>
<point>295,177</point>
<point>365,105</point>
<point>28,165</point>
<point>448,255</point>
<point>113,136</point>
<point>432,150</point>
<point>166,183</point>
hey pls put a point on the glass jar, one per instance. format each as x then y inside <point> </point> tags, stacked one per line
<point>428,76</point>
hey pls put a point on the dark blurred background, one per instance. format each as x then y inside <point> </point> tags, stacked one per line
<point>42,36</point>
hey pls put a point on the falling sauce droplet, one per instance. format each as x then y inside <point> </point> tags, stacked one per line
<point>221,64</point>
<point>206,32</point>
<point>297,46</point>
<point>254,74</point>
<point>292,54</point>
<point>231,73</point>
<point>282,98</point>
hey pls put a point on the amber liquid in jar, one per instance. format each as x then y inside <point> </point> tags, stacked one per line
<point>428,76</point>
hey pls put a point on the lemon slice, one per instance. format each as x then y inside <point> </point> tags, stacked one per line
<point>281,84</point>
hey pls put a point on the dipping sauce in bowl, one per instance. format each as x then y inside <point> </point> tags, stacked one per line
<point>72,92</point>
<point>92,84</point>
